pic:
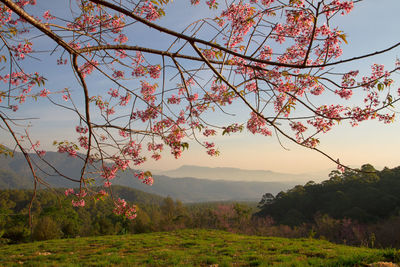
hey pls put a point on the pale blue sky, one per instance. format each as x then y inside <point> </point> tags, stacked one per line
<point>373,25</point>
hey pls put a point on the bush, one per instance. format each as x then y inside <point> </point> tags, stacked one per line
<point>46,228</point>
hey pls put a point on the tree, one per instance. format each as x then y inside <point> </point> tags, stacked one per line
<point>266,199</point>
<point>271,59</point>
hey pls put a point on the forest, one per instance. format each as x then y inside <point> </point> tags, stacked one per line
<point>366,196</point>
<point>354,208</point>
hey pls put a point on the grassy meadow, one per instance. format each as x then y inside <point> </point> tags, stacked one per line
<point>190,248</point>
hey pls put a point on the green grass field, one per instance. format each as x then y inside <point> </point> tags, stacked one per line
<point>190,248</point>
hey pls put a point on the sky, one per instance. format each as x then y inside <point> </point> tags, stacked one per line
<point>371,26</point>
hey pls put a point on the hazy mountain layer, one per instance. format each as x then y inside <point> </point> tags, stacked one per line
<point>235,174</point>
<point>15,174</point>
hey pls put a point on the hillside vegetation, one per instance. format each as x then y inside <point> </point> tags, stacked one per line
<point>190,248</point>
<point>368,196</point>
<point>353,208</point>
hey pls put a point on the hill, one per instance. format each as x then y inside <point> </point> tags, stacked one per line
<point>236,174</point>
<point>15,174</point>
<point>204,190</point>
<point>190,248</point>
<point>365,196</point>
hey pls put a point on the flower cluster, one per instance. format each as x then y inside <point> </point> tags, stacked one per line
<point>241,17</point>
<point>123,208</point>
<point>145,177</point>
<point>79,201</point>
<point>257,125</point>
<point>67,148</point>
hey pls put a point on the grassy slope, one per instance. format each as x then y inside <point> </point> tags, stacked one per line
<point>190,248</point>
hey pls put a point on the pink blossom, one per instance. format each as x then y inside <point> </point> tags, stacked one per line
<point>82,193</point>
<point>251,87</point>
<point>132,149</point>
<point>101,194</point>
<point>154,71</point>
<point>69,191</point>
<point>123,208</point>
<point>149,181</point>
<point>41,153</point>
<point>113,92</point>
<point>22,98</point>
<point>148,91</point>
<point>70,149</point>
<point>47,16</point>
<point>81,130</point>
<point>341,168</point>
<point>118,74</point>
<point>344,93</point>
<point>154,147</point>
<point>241,18</point>
<point>173,100</point>
<point>110,111</point>
<point>79,203</point>
<point>317,90</point>
<point>122,38</point>
<point>149,11</point>
<point>209,132</point>
<point>83,142</point>
<point>310,142</point>
<point>60,61</point>
<point>44,93</point>
<point>139,71</point>
<point>140,175</point>
<point>124,100</point>
<point>123,133</point>
<point>212,4</point>
<point>156,156</point>
<point>256,124</point>
<point>88,67</point>
<point>109,173</point>
<point>22,49</point>
<point>209,145</point>
<point>121,164</point>
<point>212,152</point>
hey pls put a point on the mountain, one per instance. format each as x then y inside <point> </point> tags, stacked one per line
<point>235,174</point>
<point>15,174</point>
<point>200,190</point>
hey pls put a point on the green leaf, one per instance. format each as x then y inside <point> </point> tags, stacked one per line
<point>389,99</point>
<point>343,37</point>
<point>185,146</point>
<point>6,151</point>
<point>284,73</point>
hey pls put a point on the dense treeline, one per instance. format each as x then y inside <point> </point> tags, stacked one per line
<point>367,197</point>
<point>55,217</point>
<point>355,207</point>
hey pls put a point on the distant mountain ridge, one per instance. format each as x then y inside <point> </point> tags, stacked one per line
<point>236,174</point>
<point>15,174</point>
